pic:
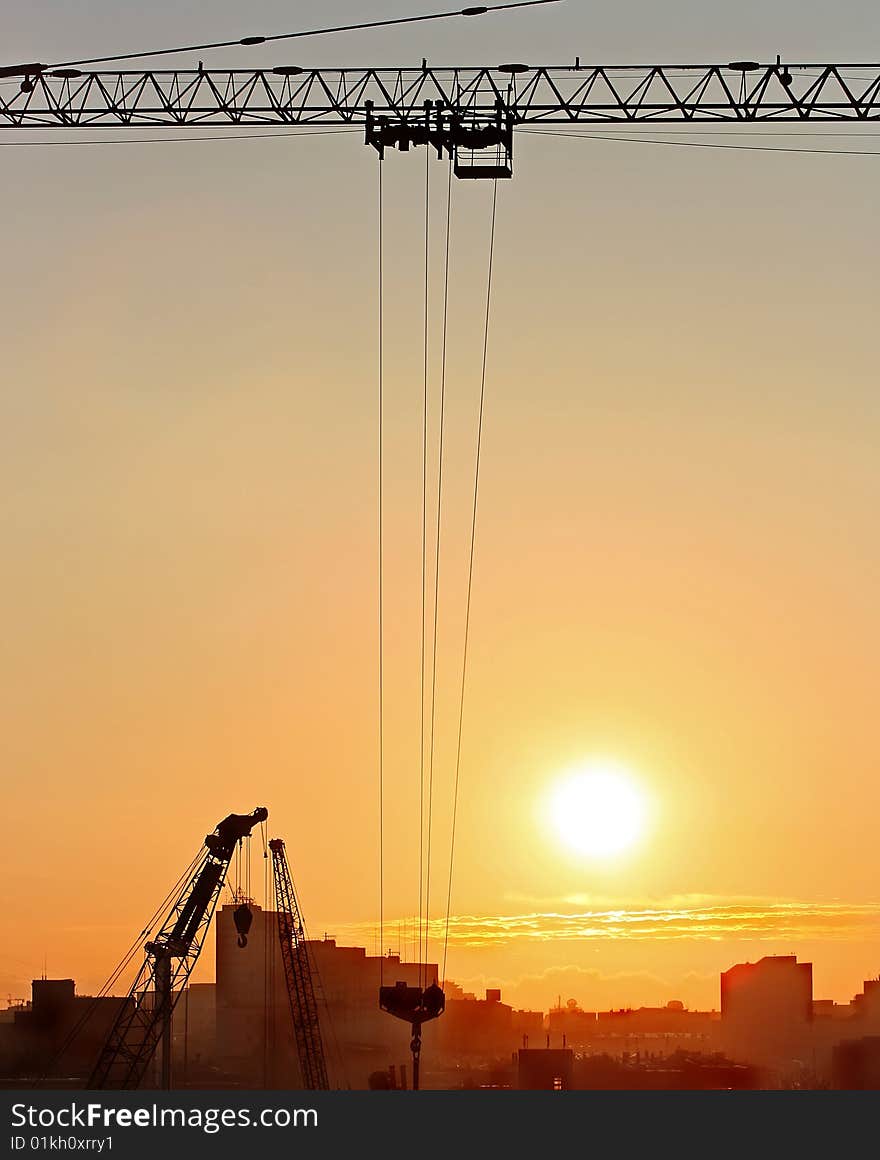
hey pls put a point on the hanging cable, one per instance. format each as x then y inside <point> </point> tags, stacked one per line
<point>247,41</point>
<point>267,998</point>
<point>433,698</point>
<point>321,994</point>
<point>171,140</point>
<point>272,954</point>
<point>697,144</point>
<point>381,600</point>
<point>470,581</point>
<point>423,917</point>
<point>157,916</point>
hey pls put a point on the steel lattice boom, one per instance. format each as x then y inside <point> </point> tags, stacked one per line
<point>144,1017</point>
<point>579,94</point>
<point>470,113</point>
<point>298,972</point>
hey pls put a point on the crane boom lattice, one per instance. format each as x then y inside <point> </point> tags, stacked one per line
<point>298,975</point>
<point>470,113</point>
<point>144,1018</point>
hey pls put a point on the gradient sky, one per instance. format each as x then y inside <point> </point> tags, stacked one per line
<point>677,559</point>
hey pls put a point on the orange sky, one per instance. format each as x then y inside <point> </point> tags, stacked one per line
<point>677,556</point>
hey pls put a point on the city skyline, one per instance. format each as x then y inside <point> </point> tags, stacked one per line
<point>770,1029</point>
<point>611,986</point>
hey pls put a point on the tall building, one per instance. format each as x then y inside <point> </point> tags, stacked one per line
<point>485,1028</point>
<point>866,1005</point>
<point>767,1013</point>
<point>254,1029</point>
<point>39,1041</point>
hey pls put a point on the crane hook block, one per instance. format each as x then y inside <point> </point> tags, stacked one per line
<point>242,916</point>
<point>414,1005</point>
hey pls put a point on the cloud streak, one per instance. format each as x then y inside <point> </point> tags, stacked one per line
<point>701,919</point>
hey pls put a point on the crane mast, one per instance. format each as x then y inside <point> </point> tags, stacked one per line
<point>144,1019</point>
<point>298,975</point>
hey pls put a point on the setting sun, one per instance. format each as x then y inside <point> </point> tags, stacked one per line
<point>598,809</point>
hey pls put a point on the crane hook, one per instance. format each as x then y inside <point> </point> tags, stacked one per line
<point>242,916</point>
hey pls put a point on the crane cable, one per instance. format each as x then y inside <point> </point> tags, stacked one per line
<point>425,846</point>
<point>121,966</point>
<point>576,135</point>
<point>423,930</point>
<point>248,41</point>
<point>442,419</point>
<point>381,597</point>
<point>268,998</point>
<point>470,580</point>
<point>270,977</point>
<point>339,1065</point>
<point>304,132</point>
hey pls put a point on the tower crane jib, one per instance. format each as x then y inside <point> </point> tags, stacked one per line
<point>471,114</point>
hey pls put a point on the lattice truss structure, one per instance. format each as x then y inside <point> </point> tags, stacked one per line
<point>464,111</point>
<point>168,962</point>
<point>298,975</point>
<point>144,1016</point>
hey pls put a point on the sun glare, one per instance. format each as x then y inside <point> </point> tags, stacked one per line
<point>598,809</point>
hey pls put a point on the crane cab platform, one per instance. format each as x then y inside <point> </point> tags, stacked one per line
<point>480,144</point>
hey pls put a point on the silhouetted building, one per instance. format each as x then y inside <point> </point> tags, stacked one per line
<point>254,1029</point>
<point>485,1028</point>
<point>866,1005</point>
<point>659,1029</point>
<point>767,1012</point>
<point>239,1032</point>
<point>37,1043</point>
<point>194,1037</point>
<point>545,1069</point>
<point>578,1027</point>
<point>680,1071</point>
<point>856,1064</point>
